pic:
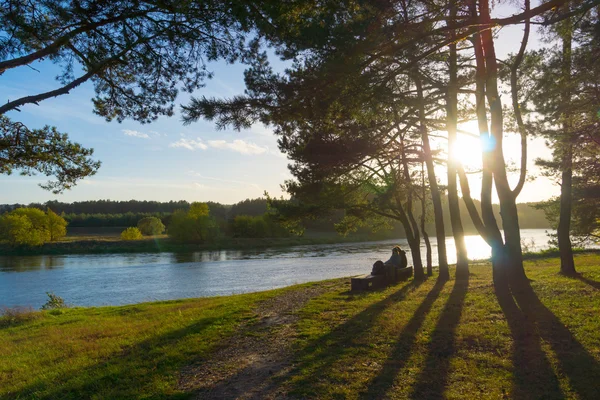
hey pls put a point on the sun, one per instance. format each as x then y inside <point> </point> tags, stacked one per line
<point>467,149</point>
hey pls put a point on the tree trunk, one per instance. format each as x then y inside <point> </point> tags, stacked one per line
<point>414,242</point>
<point>423,215</point>
<point>567,263</point>
<point>508,207</point>
<point>462,261</point>
<point>435,192</point>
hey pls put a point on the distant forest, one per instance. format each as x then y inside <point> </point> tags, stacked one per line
<point>108,213</point>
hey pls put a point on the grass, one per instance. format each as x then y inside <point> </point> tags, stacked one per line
<point>425,340</point>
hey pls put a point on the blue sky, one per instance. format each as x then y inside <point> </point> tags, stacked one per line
<point>160,161</point>
<point>168,161</point>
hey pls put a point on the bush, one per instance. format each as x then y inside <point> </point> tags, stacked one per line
<point>194,225</point>
<point>131,234</point>
<point>54,302</point>
<point>151,226</point>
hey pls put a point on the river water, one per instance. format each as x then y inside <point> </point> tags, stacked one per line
<point>114,279</point>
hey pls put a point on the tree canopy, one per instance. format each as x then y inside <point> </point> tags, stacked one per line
<point>375,71</point>
<point>137,54</point>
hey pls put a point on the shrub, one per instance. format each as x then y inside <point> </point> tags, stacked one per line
<point>194,225</point>
<point>131,234</point>
<point>54,302</point>
<point>151,226</point>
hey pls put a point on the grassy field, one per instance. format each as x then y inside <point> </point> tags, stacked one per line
<point>425,340</point>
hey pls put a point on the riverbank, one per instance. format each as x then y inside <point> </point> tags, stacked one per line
<point>427,340</point>
<point>162,244</point>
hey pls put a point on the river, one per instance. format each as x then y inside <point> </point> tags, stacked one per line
<point>114,279</point>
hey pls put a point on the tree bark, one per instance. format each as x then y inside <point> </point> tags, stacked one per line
<point>508,208</point>
<point>462,260</point>
<point>567,263</point>
<point>414,242</point>
<point>423,230</point>
<point>435,192</point>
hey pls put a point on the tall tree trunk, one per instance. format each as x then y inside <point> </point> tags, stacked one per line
<point>462,261</point>
<point>435,192</point>
<point>423,218</point>
<point>567,263</point>
<point>414,242</point>
<point>486,225</point>
<point>508,207</point>
<point>409,197</point>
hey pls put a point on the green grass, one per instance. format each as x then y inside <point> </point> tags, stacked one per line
<point>431,340</point>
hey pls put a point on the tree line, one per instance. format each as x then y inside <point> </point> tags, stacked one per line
<point>108,213</point>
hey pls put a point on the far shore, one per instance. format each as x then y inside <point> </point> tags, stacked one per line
<point>162,244</point>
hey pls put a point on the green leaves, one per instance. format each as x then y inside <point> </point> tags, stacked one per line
<point>45,151</point>
<point>31,227</point>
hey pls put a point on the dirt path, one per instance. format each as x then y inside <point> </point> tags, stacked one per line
<point>248,365</point>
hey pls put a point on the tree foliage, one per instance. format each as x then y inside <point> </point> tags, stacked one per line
<point>139,55</point>
<point>46,151</point>
<point>151,226</point>
<point>31,227</point>
<point>379,70</point>
<point>131,233</point>
<point>194,225</point>
<point>262,226</point>
<point>57,225</point>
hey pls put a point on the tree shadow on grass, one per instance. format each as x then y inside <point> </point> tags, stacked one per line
<point>317,357</point>
<point>432,380</point>
<point>123,374</point>
<point>533,376</point>
<point>592,283</point>
<point>381,384</point>
<point>574,361</point>
<point>320,355</point>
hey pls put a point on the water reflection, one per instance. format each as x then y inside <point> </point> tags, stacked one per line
<point>30,263</point>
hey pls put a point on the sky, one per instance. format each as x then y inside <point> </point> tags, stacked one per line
<point>166,160</point>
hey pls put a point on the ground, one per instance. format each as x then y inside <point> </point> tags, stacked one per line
<point>427,340</point>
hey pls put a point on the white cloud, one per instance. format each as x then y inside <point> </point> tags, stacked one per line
<point>189,144</point>
<point>137,134</point>
<point>239,146</point>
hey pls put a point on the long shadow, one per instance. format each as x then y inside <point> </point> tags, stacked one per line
<point>381,384</point>
<point>533,376</point>
<point>126,371</point>
<point>433,379</point>
<point>592,283</point>
<point>575,362</point>
<point>322,353</point>
<point>317,356</point>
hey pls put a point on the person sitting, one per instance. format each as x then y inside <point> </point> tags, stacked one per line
<point>378,268</point>
<point>398,258</point>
